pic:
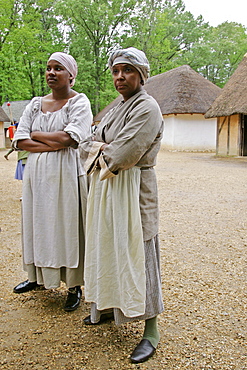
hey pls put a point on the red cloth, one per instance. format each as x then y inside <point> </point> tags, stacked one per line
<point>11,131</point>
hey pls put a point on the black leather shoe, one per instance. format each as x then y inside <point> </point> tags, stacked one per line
<point>25,286</point>
<point>143,351</point>
<point>103,318</point>
<point>73,299</point>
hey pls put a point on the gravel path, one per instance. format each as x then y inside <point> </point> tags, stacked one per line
<point>203,234</point>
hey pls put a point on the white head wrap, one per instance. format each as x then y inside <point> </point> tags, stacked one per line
<point>68,62</point>
<point>132,56</point>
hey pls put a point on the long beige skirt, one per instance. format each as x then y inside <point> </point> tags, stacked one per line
<point>154,304</point>
<point>51,277</point>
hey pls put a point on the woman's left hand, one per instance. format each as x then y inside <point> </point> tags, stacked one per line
<point>57,140</point>
<point>102,148</point>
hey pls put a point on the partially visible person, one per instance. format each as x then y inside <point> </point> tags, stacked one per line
<point>16,123</point>
<point>21,161</point>
<point>12,128</point>
<point>54,184</point>
<point>122,268</point>
<point>11,150</point>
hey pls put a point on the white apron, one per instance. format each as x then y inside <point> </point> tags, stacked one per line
<point>115,261</point>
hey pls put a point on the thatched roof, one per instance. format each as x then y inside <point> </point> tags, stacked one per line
<point>180,90</point>
<point>15,109</point>
<point>233,98</point>
<point>3,116</point>
<point>103,112</point>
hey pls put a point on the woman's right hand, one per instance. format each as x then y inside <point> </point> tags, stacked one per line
<point>34,146</point>
<point>102,148</point>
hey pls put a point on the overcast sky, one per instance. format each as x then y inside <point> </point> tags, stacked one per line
<point>216,12</point>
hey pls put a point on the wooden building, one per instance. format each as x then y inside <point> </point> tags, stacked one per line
<point>230,109</point>
<point>3,118</point>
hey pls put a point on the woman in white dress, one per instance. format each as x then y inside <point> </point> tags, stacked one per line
<point>122,270</point>
<point>54,184</point>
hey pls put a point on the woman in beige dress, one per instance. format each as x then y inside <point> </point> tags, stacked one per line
<point>54,184</point>
<point>122,269</point>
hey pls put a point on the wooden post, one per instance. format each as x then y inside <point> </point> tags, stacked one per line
<point>10,112</point>
<point>217,135</point>
<point>228,134</point>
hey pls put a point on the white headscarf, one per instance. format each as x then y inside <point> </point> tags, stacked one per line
<point>132,56</point>
<point>68,62</point>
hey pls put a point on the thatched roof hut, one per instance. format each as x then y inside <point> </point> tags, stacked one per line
<point>3,116</point>
<point>233,97</point>
<point>230,108</point>
<point>182,91</point>
<point>178,91</point>
<point>183,96</point>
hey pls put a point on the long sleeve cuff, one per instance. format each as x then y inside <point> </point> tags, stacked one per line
<point>93,156</point>
<point>105,173</point>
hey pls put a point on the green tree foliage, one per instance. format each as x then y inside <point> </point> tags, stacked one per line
<point>167,35</point>
<point>148,33</point>
<point>96,27</point>
<point>30,30</point>
<point>29,33</point>
<point>219,52</point>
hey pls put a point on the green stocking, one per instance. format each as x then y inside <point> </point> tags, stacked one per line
<point>151,331</point>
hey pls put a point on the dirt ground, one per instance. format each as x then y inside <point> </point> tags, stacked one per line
<point>203,235</point>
